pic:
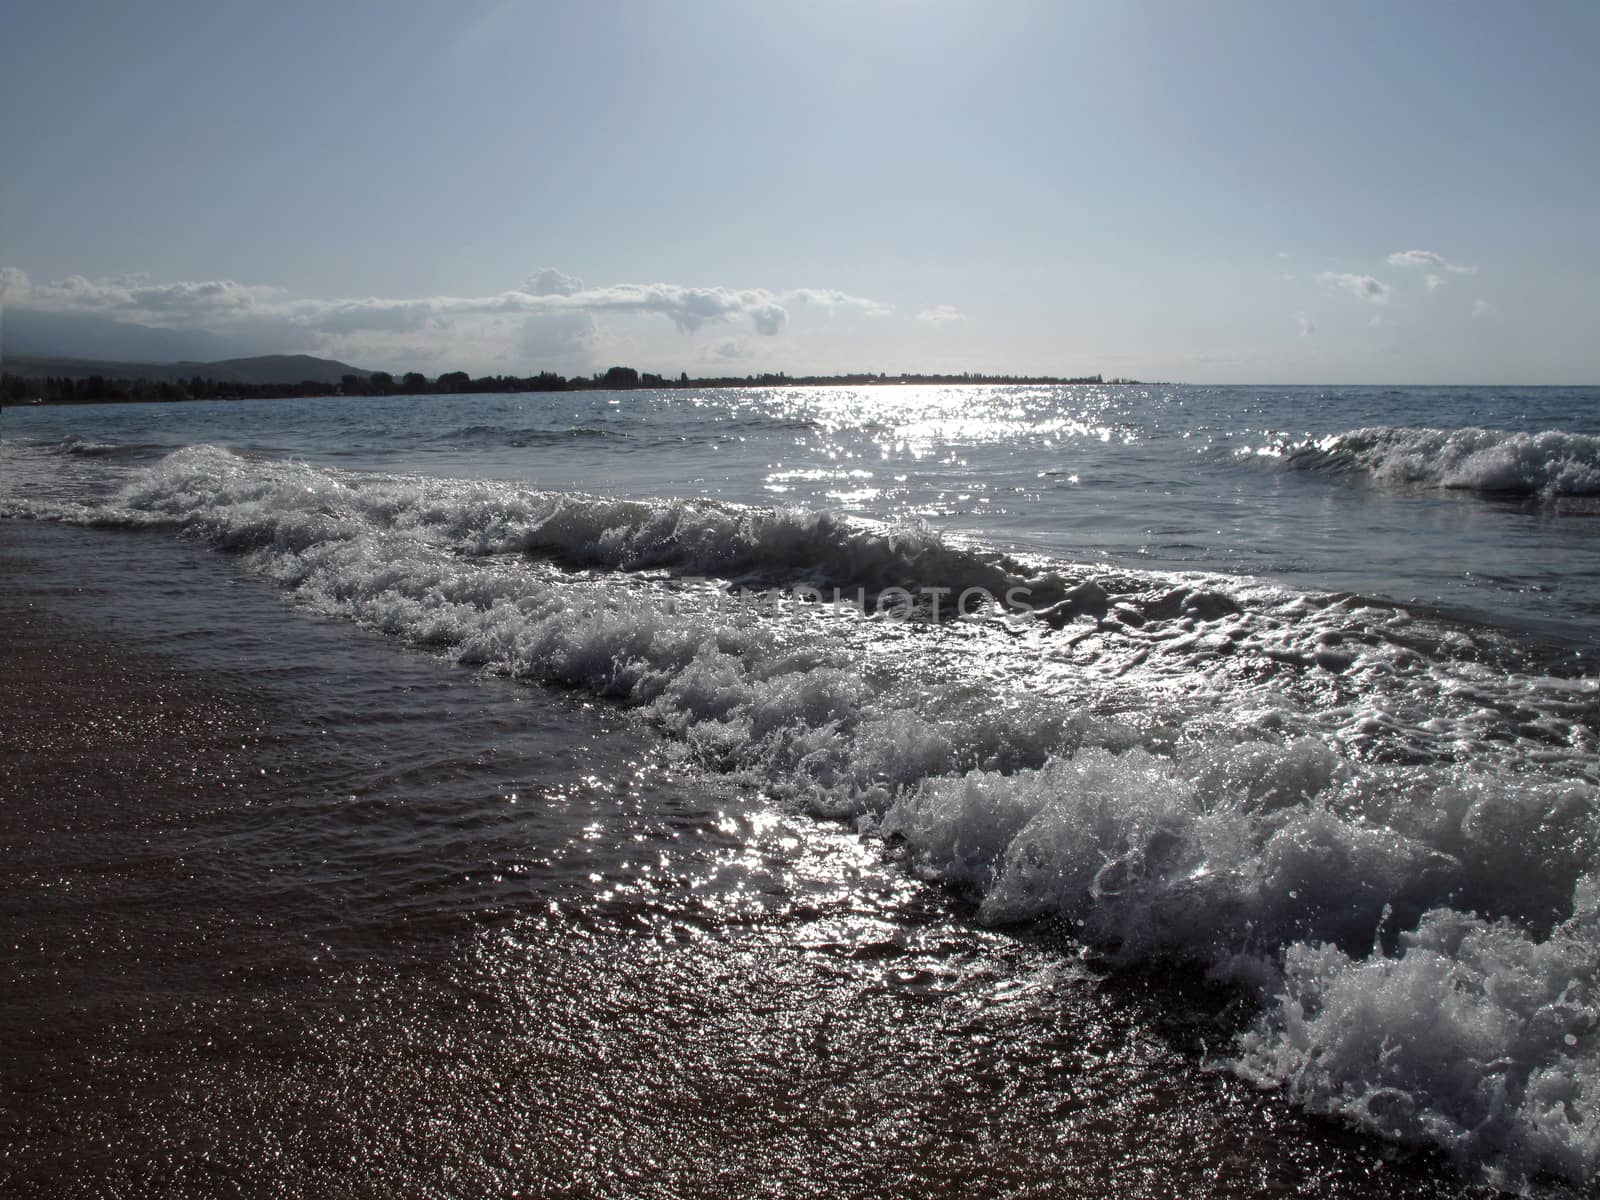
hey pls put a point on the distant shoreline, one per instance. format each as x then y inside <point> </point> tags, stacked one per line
<point>20,390</point>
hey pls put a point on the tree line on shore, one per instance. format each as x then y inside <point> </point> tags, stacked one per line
<point>99,389</point>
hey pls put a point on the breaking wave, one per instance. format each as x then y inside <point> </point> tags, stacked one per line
<point>1548,464</point>
<point>1380,826</point>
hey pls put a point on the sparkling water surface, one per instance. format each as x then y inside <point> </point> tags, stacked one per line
<point>1183,478</point>
<point>518,851</point>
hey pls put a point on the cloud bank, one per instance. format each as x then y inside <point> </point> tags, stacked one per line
<point>550,311</point>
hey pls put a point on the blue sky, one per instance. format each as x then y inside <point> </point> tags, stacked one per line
<point>1230,192</point>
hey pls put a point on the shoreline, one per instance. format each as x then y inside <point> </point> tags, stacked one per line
<point>218,984</point>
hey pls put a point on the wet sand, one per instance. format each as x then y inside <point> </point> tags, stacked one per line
<point>269,934</point>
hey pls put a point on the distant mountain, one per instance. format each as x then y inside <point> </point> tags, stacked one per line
<point>266,368</point>
<point>279,368</point>
<point>26,331</point>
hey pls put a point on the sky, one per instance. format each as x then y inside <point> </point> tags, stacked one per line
<point>1242,192</point>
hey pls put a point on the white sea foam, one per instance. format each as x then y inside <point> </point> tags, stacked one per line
<point>1477,1035</point>
<point>1265,784</point>
<point>1550,464</point>
<point>1474,1036</point>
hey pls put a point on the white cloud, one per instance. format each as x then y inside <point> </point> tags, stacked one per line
<point>552,312</point>
<point>14,285</point>
<point>688,308</point>
<point>1481,308</point>
<point>1364,287</point>
<point>550,282</point>
<point>1429,260</point>
<point>1305,325</point>
<point>830,299</point>
<point>768,319</point>
<point>129,296</point>
<point>939,314</point>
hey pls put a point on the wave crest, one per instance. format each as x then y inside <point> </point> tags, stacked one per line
<point>1494,462</point>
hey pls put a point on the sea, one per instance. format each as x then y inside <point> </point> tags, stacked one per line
<point>894,790</point>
